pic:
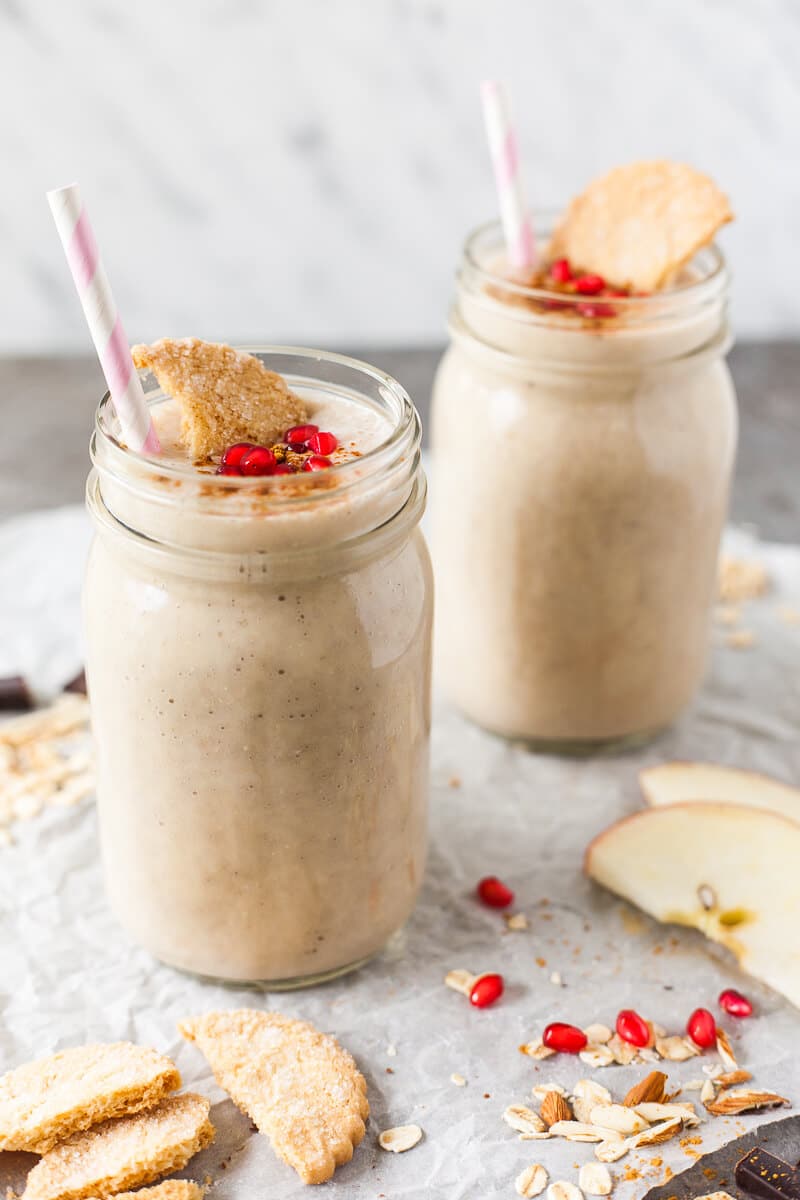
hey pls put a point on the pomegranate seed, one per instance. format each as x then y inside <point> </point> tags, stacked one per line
<point>590,285</point>
<point>561,271</point>
<point>284,469</point>
<point>495,893</point>
<point>566,1038</point>
<point>228,469</point>
<point>633,1028</point>
<point>735,1003</point>
<point>485,990</point>
<point>235,453</point>
<point>702,1028</point>
<point>322,443</point>
<point>317,462</point>
<point>298,435</point>
<point>258,461</point>
<point>596,310</point>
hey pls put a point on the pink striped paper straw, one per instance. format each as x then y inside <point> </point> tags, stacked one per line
<point>104,323</point>
<point>505,160</point>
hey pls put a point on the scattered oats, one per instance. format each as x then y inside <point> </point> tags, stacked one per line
<point>535,1137</point>
<point>400,1139</point>
<point>649,1054</point>
<point>556,979</point>
<point>583,1131</point>
<point>540,1090</point>
<point>523,1119</point>
<point>612,1151</point>
<point>535,1049</point>
<point>621,1051</point>
<point>676,1049</point>
<point>740,580</point>
<point>531,1182</point>
<point>713,1070</point>
<point>586,1095</point>
<point>708,1091</point>
<point>391,1050</point>
<point>516,922</point>
<point>460,981</point>
<point>726,614</point>
<point>594,1179</point>
<point>597,1034</point>
<point>657,1134</point>
<point>694,1085</point>
<point>653,1113</point>
<point>740,639</point>
<point>725,1051</point>
<point>597,1056</point>
<point>458,1080</point>
<point>618,1117</point>
<point>563,1190</point>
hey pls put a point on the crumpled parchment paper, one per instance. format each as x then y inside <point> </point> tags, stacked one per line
<point>68,974</point>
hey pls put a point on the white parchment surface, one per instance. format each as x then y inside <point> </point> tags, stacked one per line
<point>68,974</point>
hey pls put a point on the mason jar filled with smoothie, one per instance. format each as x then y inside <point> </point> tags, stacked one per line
<point>584,436</point>
<point>258,615</point>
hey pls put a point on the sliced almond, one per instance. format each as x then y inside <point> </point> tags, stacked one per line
<point>460,980</point>
<point>617,1116</point>
<point>535,1049</point>
<point>648,1090</point>
<point>657,1134</point>
<point>597,1056</point>
<point>554,1109</point>
<point>400,1139</point>
<point>653,1113</point>
<point>540,1090</point>
<point>676,1049</point>
<point>694,1085</point>
<point>621,1051</point>
<point>708,1091</point>
<point>531,1182</point>
<point>563,1190</point>
<point>523,1119</point>
<point>731,1078</point>
<point>594,1179</point>
<point>728,1104</point>
<point>586,1095</point>
<point>613,1151</point>
<point>725,1051</point>
<point>581,1131</point>
<point>597,1034</point>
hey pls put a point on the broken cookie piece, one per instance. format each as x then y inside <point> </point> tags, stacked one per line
<point>225,396</point>
<point>299,1086</point>
<point>639,223</point>
<point>124,1153</point>
<point>170,1189</point>
<point>47,1101</point>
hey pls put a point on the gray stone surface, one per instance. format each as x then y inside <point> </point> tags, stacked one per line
<point>47,406</point>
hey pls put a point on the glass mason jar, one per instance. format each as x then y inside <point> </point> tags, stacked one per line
<point>259,670</point>
<point>582,470</point>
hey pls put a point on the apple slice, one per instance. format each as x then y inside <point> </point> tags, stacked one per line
<point>725,869</point>
<point>682,782</point>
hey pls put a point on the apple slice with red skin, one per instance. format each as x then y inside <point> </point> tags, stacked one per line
<point>689,782</point>
<point>729,870</point>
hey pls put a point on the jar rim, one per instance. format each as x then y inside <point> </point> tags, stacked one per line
<point>709,260</point>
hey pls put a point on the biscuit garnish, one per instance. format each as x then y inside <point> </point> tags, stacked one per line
<point>225,396</point>
<point>637,225</point>
<point>170,1189</point>
<point>299,1086</point>
<point>122,1154</point>
<point>45,1102</point>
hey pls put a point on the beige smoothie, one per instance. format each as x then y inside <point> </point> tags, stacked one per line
<point>583,450</point>
<point>258,659</point>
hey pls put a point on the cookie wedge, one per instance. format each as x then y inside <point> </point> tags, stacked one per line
<point>45,1102</point>
<point>124,1153</point>
<point>299,1086</point>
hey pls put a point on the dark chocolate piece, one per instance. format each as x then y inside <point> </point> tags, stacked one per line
<point>78,684</point>
<point>760,1173</point>
<point>14,694</point>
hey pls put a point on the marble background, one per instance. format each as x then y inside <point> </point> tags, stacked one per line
<point>306,169</point>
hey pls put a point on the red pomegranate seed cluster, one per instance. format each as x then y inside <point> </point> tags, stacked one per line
<point>303,448</point>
